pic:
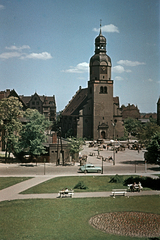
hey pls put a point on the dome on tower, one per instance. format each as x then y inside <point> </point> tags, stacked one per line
<point>99,59</point>
<point>100,39</point>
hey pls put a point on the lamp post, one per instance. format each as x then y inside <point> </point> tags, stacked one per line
<point>145,162</point>
<point>44,166</point>
<point>102,164</point>
<point>61,151</point>
<point>114,159</point>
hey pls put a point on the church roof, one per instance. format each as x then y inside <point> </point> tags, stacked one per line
<point>76,103</point>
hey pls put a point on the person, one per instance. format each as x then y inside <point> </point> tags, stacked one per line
<point>139,186</point>
<point>134,186</point>
<point>66,190</point>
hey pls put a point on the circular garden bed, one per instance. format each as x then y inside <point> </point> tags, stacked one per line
<point>134,224</point>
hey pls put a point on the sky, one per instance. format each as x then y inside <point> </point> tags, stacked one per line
<point>45,47</point>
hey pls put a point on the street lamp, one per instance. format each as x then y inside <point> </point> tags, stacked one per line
<point>145,162</point>
<point>102,164</point>
<point>114,159</point>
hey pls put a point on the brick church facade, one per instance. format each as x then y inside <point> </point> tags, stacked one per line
<point>93,112</point>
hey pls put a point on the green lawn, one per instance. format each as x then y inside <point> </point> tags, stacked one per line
<point>59,219</point>
<point>9,181</point>
<point>94,183</point>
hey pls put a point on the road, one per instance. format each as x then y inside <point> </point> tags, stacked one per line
<point>127,162</point>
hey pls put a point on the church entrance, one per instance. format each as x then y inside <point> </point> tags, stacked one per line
<point>103,135</point>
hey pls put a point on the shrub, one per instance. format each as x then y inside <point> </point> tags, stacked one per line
<point>116,179</point>
<point>147,182</point>
<point>80,185</point>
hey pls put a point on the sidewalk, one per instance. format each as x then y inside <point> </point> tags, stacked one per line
<point>13,192</point>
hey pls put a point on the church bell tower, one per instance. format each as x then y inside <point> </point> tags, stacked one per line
<point>100,90</point>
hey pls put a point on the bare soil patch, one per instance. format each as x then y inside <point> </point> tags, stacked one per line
<point>133,224</point>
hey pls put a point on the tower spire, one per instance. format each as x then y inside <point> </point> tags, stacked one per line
<point>100,26</point>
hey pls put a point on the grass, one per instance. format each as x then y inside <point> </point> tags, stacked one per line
<point>10,181</point>
<point>94,184</point>
<point>59,219</point>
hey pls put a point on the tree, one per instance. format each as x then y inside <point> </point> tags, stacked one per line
<point>32,135</point>
<point>10,113</point>
<point>132,125</point>
<point>153,155</point>
<point>75,145</point>
<point>147,131</point>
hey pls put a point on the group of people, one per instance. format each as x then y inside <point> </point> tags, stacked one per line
<point>65,190</point>
<point>136,187</point>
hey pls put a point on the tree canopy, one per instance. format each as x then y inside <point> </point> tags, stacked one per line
<point>10,113</point>
<point>32,135</point>
<point>147,131</point>
<point>153,155</point>
<point>132,126</point>
<point>26,138</point>
<point>75,145</point>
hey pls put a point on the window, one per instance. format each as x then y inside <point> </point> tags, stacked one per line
<point>105,89</point>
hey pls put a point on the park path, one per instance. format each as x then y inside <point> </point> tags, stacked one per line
<point>13,192</point>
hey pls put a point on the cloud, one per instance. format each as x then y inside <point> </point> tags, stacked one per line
<point>14,48</point>
<point>130,63</point>
<point>118,78</point>
<point>150,80</point>
<point>118,69</point>
<point>80,68</point>
<point>107,28</point>
<point>7,55</point>
<point>42,56</point>
<point>2,7</point>
<point>18,52</point>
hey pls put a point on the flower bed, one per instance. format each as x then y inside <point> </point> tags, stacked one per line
<point>134,224</point>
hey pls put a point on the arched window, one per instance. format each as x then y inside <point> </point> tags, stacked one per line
<point>101,89</point>
<point>105,89</point>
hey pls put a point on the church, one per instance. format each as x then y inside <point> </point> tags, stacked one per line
<point>93,112</point>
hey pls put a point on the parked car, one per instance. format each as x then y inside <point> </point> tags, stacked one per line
<point>90,168</point>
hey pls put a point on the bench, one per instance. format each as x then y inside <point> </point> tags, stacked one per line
<point>119,192</point>
<point>68,193</point>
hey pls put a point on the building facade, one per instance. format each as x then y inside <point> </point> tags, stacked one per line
<point>93,112</point>
<point>44,104</point>
<point>130,111</point>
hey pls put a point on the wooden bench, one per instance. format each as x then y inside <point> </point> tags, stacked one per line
<point>119,192</point>
<point>68,193</point>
